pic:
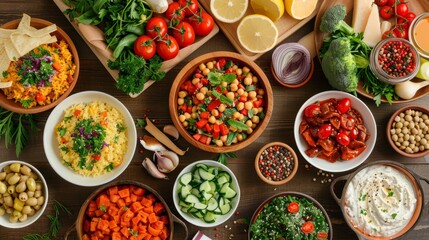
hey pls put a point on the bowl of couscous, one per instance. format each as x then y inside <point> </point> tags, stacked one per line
<point>39,67</point>
<point>90,138</point>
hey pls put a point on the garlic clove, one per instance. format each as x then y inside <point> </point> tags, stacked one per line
<point>172,131</point>
<point>172,156</point>
<point>151,144</point>
<point>164,164</point>
<point>153,170</point>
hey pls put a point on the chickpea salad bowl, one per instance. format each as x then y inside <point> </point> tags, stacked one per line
<point>23,194</point>
<point>221,101</point>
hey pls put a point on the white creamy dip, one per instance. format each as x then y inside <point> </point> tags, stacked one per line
<point>380,201</point>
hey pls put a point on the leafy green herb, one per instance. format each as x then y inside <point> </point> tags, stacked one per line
<point>231,137</point>
<point>261,115</point>
<point>363,212</point>
<point>120,128</point>
<point>229,112</point>
<point>394,215</point>
<point>5,73</point>
<point>377,88</point>
<point>103,208</point>
<point>250,114</point>
<point>62,131</point>
<point>115,139</point>
<point>223,157</point>
<point>250,88</point>
<point>228,64</point>
<point>125,208</point>
<point>216,78</point>
<point>68,118</point>
<point>15,128</point>
<point>384,210</point>
<point>390,192</point>
<point>36,68</point>
<point>26,103</point>
<point>132,232</point>
<point>222,98</point>
<point>374,229</point>
<point>362,197</point>
<point>65,149</point>
<point>237,124</point>
<point>140,123</point>
<point>109,167</point>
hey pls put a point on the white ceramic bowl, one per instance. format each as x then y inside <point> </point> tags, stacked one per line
<point>4,220</point>
<point>50,143</point>
<point>338,166</point>
<point>222,218</point>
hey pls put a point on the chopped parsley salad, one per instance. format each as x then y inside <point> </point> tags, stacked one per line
<point>289,217</point>
<point>222,103</point>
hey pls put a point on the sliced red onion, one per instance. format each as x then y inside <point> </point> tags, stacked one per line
<point>291,63</point>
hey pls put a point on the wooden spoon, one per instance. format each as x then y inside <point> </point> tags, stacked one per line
<point>408,89</point>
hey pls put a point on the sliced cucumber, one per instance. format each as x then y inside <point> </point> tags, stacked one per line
<point>192,210</point>
<point>185,191</point>
<point>195,192</point>
<point>186,178</point>
<point>185,204</point>
<point>198,214</point>
<point>210,217</point>
<point>226,175</point>
<point>212,187</point>
<point>212,204</point>
<point>200,206</point>
<point>207,196</point>
<point>184,209</point>
<point>217,211</point>
<point>227,191</point>
<point>205,175</point>
<point>205,186</point>
<point>225,208</point>
<point>192,199</point>
<point>201,165</point>
<point>222,180</point>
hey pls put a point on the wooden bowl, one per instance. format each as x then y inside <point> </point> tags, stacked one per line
<point>13,106</point>
<point>310,74</point>
<point>295,162</point>
<point>186,73</point>
<point>389,127</point>
<point>415,6</point>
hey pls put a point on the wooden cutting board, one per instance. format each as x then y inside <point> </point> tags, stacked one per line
<point>166,66</point>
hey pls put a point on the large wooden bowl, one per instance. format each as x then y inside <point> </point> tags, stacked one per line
<point>13,106</point>
<point>185,74</point>
<point>415,6</point>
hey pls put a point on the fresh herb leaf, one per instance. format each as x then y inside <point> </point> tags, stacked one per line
<point>229,112</point>
<point>223,157</point>
<point>140,123</point>
<point>5,73</point>
<point>390,192</point>
<point>65,149</point>
<point>222,98</point>
<point>231,137</point>
<point>214,78</point>
<point>363,212</point>
<point>26,103</point>
<point>62,131</point>
<point>237,124</point>
<point>68,118</point>
<point>120,128</point>
<point>103,208</point>
<point>109,167</point>
<point>132,232</point>
<point>250,88</point>
<point>394,215</point>
<point>115,139</point>
<point>229,77</point>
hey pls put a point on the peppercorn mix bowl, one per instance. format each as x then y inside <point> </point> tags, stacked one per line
<point>408,131</point>
<point>221,102</point>
<point>276,163</point>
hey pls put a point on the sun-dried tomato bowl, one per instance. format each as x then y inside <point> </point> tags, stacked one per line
<point>339,165</point>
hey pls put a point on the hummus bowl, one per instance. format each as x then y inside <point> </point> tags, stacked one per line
<point>381,200</point>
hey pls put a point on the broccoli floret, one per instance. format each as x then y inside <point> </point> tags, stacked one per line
<point>333,20</point>
<point>340,66</point>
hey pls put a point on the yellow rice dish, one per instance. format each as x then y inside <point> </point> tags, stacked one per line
<point>92,138</point>
<point>41,76</point>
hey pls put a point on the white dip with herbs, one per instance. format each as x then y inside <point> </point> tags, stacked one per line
<point>380,201</point>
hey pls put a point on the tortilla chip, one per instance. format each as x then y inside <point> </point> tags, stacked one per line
<point>25,22</point>
<point>24,43</point>
<point>4,60</point>
<point>11,51</point>
<point>5,33</point>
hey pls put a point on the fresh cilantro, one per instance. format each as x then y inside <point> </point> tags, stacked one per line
<point>237,124</point>
<point>216,78</point>
<point>82,163</point>
<point>394,215</point>
<point>362,197</point>
<point>68,164</point>
<point>132,232</point>
<point>5,74</point>
<point>103,208</point>
<point>62,131</point>
<point>26,103</point>
<point>374,229</point>
<point>384,210</point>
<point>65,149</point>
<point>109,167</point>
<point>115,139</point>
<point>222,98</point>
<point>36,68</point>
<point>125,208</point>
<point>68,118</point>
<point>120,128</point>
<point>228,64</point>
<point>390,192</point>
<point>363,212</point>
<point>223,157</point>
<point>261,115</point>
<point>140,123</point>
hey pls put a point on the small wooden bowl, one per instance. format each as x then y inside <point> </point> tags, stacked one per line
<point>389,126</point>
<point>295,162</point>
<point>186,73</point>
<point>310,74</point>
<point>13,106</point>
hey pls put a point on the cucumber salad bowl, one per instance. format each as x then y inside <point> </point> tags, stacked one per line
<point>206,193</point>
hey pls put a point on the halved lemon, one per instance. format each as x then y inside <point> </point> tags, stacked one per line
<point>257,33</point>
<point>228,11</point>
<point>273,9</point>
<point>300,9</point>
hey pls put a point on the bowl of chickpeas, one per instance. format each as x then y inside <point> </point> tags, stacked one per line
<point>23,194</point>
<point>221,102</point>
<point>408,131</point>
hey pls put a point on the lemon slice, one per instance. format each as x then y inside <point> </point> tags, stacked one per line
<point>300,9</point>
<point>257,33</point>
<point>273,9</point>
<point>228,11</point>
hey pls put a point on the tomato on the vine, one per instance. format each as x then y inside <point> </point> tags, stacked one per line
<point>402,9</point>
<point>386,12</point>
<point>145,47</point>
<point>175,11</point>
<point>388,33</point>
<point>312,110</point>
<point>344,105</point>
<point>184,34</point>
<point>191,6</point>
<point>343,139</point>
<point>167,48</point>
<point>307,227</point>
<point>410,17</point>
<point>380,3</point>
<point>202,24</point>
<point>391,3</point>
<point>324,131</point>
<point>156,27</point>
<point>400,32</point>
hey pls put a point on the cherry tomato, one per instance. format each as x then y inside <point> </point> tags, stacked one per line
<point>380,3</point>
<point>324,131</point>
<point>184,34</point>
<point>312,110</point>
<point>167,48</point>
<point>391,3</point>
<point>145,47</point>
<point>322,235</point>
<point>353,134</point>
<point>410,17</point>
<point>191,6</point>
<point>386,12</point>
<point>400,32</point>
<point>293,207</point>
<point>343,139</point>
<point>202,24</point>
<point>402,9</point>
<point>388,34</point>
<point>307,227</point>
<point>156,27</point>
<point>344,105</point>
<point>40,97</point>
<point>174,11</point>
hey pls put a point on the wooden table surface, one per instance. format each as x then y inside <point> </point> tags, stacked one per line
<point>154,103</point>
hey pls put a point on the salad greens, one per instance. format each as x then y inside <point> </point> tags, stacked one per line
<point>277,222</point>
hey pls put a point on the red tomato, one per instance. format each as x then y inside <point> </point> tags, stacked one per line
<point>344,105</point>
<point>202,24</point>
<point>167,48</point>
<point>322,235</point>
<point>184,34</point>
<point>145,47</point>
<point>391,3</point>
<point>400,32</point>
<point>191,6</point>
<point>343,139</point>
<point>380,3</point>
<point>386,12</point>
<point>174,11</point>
<point>353,134</point>
<point>307,227</point>
<point>324,131</point>
<point>40,97</point>
<point>402,9</point>
<point>387,34</point>
<point>410,17</point>
<point>293,207</point>
<point>156,27</point>
<point>312,110</point>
